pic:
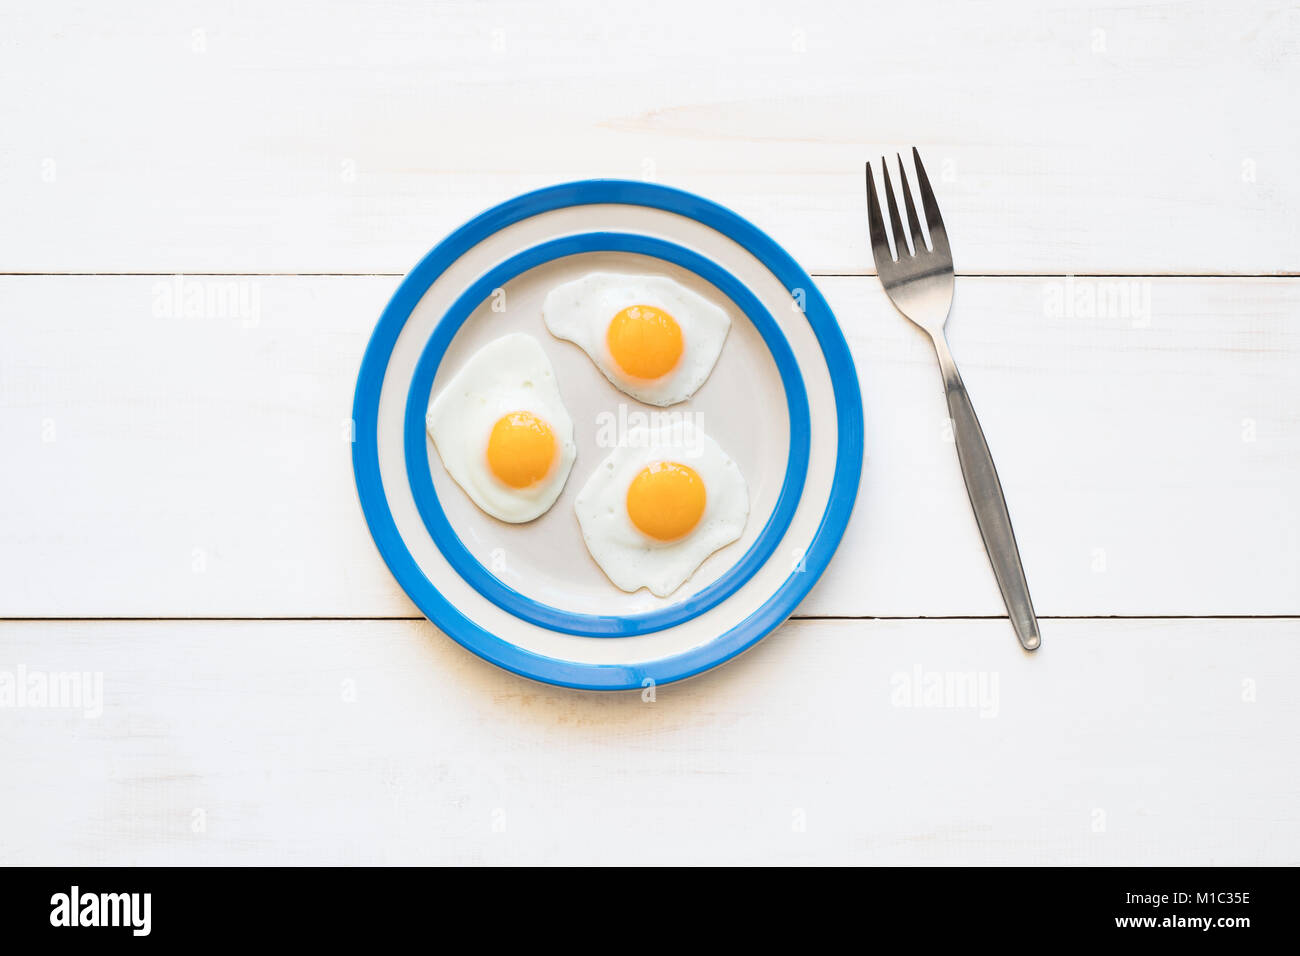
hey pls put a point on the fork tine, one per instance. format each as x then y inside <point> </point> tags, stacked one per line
<point>938,235</point>
<point>876,224</point>
<point>918,240</point>
<point>900,238</point>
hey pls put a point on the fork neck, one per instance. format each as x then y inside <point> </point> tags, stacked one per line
<point>947,365</point>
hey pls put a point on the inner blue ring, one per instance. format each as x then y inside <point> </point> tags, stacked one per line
<point>472,570</point>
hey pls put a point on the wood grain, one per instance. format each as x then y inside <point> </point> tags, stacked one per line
<point>177,466</point>
<point>306,137</point>
<point>831,742</point>
<point>179,447</point>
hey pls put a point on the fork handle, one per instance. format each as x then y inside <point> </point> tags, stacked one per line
<point>986,498</point>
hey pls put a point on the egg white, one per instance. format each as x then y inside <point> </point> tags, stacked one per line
<point>511,374</point>
<point>633,560</point>
<point>580,312</point>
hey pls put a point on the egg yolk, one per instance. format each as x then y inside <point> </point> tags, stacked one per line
<point>666,500</point>
<point>645,342</point>
<point>521,449</point>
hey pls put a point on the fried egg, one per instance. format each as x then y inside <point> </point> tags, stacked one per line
<point>502,431</point>
<point>651,337</point>
<point>662,501</point>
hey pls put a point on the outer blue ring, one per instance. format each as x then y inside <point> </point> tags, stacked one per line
<point>604,625</point>
<point>498,650</point>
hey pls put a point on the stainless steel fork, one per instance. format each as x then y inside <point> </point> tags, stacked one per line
<point>919,281</point>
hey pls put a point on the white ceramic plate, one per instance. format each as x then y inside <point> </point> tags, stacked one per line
<point>783,401</point>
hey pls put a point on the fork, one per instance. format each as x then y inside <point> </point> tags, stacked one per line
<point>919,281</point>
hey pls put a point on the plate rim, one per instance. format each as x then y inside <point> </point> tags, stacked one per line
<point>783,600</point>
<point>584,624</point>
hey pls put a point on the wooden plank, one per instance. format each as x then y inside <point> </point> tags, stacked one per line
<point>161,466</point>
<point>1150,456</point>
<point>301,137</point>
<point>1119,743</point>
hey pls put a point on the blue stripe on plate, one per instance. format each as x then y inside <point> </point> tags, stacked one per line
<point>499,650</point>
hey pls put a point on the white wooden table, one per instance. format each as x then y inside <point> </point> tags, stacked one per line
<point>205,206</point>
